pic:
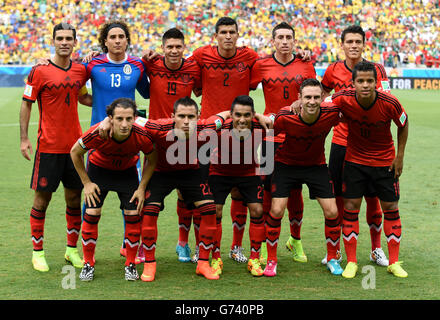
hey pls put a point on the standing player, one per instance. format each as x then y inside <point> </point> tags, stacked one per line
<point>56,86</point>
<point>115,74</point>
<point>281,75</point>
<point>172,77</point>
<point>182,130</point>
<point>225,75</point>
<point>338,76</point>
<point>112,167</point>
<point>301,159</point>
<point>371,160</point>
<point>238,143</point>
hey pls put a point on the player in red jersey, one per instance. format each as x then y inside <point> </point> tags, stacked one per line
<point>173,77</point>
<point>338,76</point>
<point>234,163</point>
<point>225,75</point>
<point>371,159</point>
<point>57,87</point>
<point>301,159</point>
<point>281,75</point>
<point>112,167</point>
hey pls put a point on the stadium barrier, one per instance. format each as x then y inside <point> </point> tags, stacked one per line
<point>400,78</point>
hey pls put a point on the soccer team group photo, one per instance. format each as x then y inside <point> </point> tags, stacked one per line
<point>219,163</point>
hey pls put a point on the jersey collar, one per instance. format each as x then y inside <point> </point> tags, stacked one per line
<point>117,62</point>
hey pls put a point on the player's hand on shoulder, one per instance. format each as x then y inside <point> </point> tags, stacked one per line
<point>42,62</point>
<point>90,56</point>
<point>304,55</point>
<point>295,107</point>
<point>265,122</point>
<point>105,129</point>
<point>149,54</point>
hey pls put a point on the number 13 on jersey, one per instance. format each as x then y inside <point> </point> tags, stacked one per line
<point>116,80</point>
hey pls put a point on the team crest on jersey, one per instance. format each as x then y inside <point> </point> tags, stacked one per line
<point>241,67</point>
<point>186,78</point>
<point>127,69</point>
<point>218,124</point>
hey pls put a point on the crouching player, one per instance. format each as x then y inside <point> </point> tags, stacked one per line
<point>177,141</point>
<point>112,167</point>
<point>238,142</point>
<point>301,159</point>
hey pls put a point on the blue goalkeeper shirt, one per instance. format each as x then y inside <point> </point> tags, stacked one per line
<point>112,80</point>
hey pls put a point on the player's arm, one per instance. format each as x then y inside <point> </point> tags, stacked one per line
<point>147,172</point>
<point>265,122</point>
<point>91,190</point>
<point>84,97</point>
<point>25,115</point>
<point>402,137</point>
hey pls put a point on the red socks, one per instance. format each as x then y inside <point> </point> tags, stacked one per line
<point>257,234</point>
<point>37,219</point>
<point>239,217</point>
<point>332,237</point>
<point>73,220</point>
<point>295,206</point>
<point>393,231</point>
<point>150,214</point>
<point>273,229</point>
<point>131,237</point>
<point>217,239</point>
<point>89,237</point>
<point>184,216</point>
<point>208,229</point>
<point>350,232</point>
<point>374,220</point>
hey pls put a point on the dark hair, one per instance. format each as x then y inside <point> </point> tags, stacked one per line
<point>64,26</point>
<point>244,101</point>
<point>187,102</point>
<point>364,66</point>
<point>125,103</point>
<point>106,27</point>
<point>310,82</point>
<point>225,21</point>
<point>173,33</point>
<point>353,29</point>
<point>282,25</point>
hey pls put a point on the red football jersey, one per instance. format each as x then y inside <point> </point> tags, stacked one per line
<point>305,143</point>
<point>223,79</point>
<point>281,82</point>
<point>56,91</point>
<point>235,156</point>
<point>338,76</point>
<point>179,154</point>
<point>370,141</point>
<point>167,86</point>
<point>116,155</point>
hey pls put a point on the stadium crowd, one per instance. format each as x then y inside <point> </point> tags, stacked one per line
<point>399,32</point>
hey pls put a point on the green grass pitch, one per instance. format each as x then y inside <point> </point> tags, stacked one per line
<point>420,244</point>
